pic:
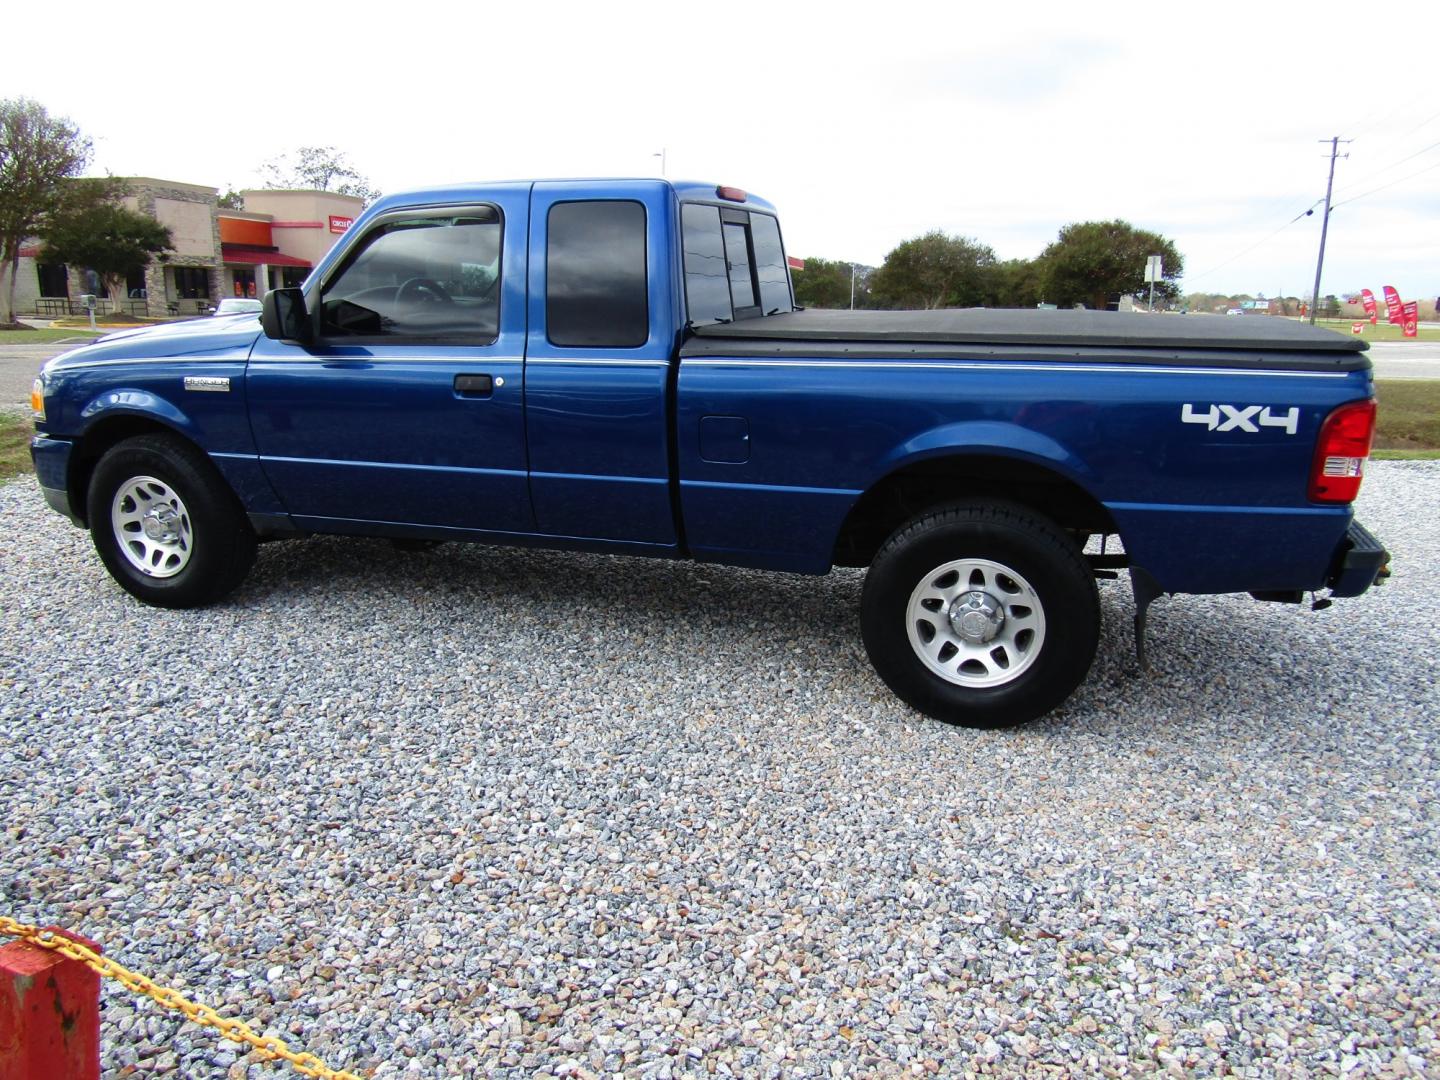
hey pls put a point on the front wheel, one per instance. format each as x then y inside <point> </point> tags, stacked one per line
<point>981,614</point>
<point>166,525</point>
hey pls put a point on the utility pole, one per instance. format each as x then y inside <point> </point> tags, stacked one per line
<point>1324,226</point>
<point>661,156</point>
<point>852,286</point>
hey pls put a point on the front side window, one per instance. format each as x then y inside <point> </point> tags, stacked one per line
<point>432,277</point>
<point>596,294</point>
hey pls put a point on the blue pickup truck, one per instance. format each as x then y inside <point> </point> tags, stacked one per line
<point>619,366</point>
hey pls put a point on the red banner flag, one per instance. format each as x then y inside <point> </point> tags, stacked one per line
<point>1368,299</point>
<point>1410,318</point>
<point>1392,304</point>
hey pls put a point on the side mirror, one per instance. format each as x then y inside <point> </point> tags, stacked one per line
<point>284,318</point>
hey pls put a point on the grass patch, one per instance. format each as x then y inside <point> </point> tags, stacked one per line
<point>1409,414</point>
<point>1405,455</point>
<point>44,337</point>
<point>15,432</point>
<point>1382,332</point>
<point>118,321</point>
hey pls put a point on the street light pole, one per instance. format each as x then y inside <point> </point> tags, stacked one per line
<point>661,156</point>
<point>852,286</point>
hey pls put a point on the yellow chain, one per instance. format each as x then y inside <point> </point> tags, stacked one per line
<point>234,1030</point>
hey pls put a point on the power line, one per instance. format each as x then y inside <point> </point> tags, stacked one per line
<point>1303,213</point>
<point>1392,165</point>
<point>1378,115</point>
<point>1423,123</point>
<point>1382,187</point>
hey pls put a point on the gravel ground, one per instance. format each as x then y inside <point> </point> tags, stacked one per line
<point>509,813</point>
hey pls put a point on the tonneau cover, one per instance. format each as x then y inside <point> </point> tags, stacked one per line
<point>1082,329</point>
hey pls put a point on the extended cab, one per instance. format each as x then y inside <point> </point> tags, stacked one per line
<point>619,366</point>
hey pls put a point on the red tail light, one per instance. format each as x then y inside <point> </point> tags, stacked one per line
<point>1341,452</point>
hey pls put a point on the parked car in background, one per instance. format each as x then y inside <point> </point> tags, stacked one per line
<point>237,305</point>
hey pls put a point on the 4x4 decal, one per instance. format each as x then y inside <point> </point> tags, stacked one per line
<point>1241,418</point>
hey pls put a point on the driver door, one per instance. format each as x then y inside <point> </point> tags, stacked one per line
<point>408,407</point>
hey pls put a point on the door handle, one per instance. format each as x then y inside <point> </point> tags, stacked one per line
<point>475,386</point>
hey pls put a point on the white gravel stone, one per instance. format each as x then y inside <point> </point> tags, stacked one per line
<point>517,813</point>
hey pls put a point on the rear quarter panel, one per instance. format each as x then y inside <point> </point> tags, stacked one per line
<point>1202,509</point>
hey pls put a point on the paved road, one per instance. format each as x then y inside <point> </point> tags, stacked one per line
<point>19,365</point>
<point>1392,360</point>
<point>1405,359</point>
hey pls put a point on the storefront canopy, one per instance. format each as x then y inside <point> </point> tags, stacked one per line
<point>235,256</point>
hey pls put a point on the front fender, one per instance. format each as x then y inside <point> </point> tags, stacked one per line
<point>135,402</point>
<point>217,423</point>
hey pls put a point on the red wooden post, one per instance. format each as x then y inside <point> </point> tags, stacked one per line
<point>49,1014</point>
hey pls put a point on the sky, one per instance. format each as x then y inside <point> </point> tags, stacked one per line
<point>865,124</point>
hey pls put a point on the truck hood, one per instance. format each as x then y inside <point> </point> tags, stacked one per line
<point>226,337</point>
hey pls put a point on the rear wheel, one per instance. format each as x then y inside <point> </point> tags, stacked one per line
<point>166,525</point>
<point>981,614</point>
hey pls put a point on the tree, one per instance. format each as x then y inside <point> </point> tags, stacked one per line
<point>231,200</point>
<point>936,270</point>
<point>1018,284</point>
<point>37,153</point>
<point>318,168</point>
<point>1095,262</point>
<point>825,283</point>
<point>91,229</point>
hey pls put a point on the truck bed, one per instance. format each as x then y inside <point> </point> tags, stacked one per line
<point>1248,341</point>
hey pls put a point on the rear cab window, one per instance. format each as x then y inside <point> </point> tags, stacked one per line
<point>734,264</point>
<point>595,275</point>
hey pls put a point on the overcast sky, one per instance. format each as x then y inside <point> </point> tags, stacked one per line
<point>865,124</point>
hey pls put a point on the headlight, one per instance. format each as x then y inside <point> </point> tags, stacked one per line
<point>37,399</point>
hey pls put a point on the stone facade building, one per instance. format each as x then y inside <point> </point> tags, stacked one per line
<point>185,280</point>
<point>215,253</point>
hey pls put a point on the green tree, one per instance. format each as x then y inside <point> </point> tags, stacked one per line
<point>1018,284</point>
<point>90,228</point>
<point>231,200</point>
<point>37,153</point>
<point>825,283</point>
<point>1095,262</point>
<point>318,168</point>
<point>935,271</point>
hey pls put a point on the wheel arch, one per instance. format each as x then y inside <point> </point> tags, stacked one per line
<point>104,433</point>
<point>933,477</point>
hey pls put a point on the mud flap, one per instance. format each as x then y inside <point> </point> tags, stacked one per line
<point>1147,591</point>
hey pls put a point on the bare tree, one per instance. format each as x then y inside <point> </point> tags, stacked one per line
<point>321,168</point>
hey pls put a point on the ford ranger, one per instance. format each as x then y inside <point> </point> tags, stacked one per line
<point>619,366</point>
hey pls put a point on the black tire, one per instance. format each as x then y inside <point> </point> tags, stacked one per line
<point>201,550</point>
<point>1013,562</point>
